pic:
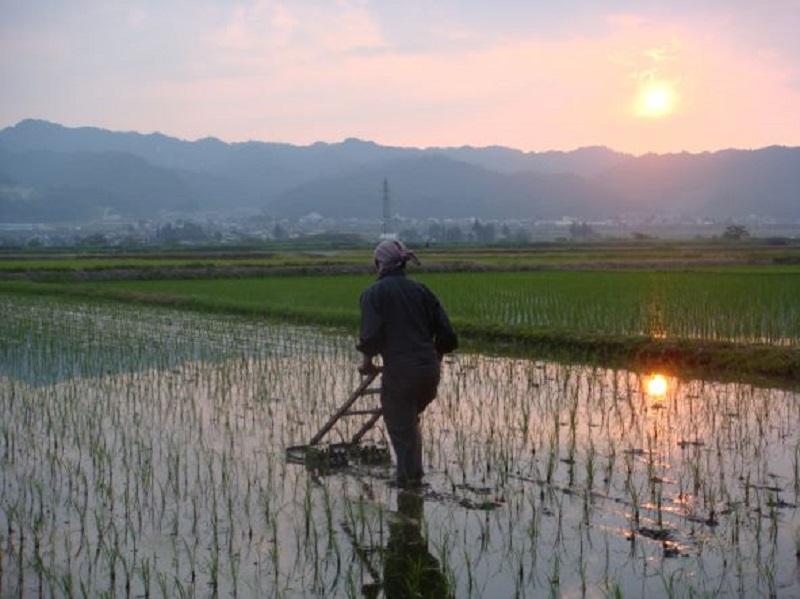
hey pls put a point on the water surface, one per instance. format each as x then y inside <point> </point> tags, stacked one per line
<point>143,448</point>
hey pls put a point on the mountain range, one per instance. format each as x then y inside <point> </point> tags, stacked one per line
<point>51,173</point>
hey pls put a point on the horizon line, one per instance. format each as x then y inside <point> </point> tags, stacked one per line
<point>394,146</point>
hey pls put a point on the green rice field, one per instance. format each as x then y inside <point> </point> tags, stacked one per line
<point>743,306</point>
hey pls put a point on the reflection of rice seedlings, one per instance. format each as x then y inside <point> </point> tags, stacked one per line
<point>797,542</point>
<point>552,455</point>
<point>747,490</point>
<point>610,462</point>
<point>633,494</point>
<point>170,474</point>
<point>555,576</point>
<point>670,583</point>
<point>615,591</point>
<point>213,565</point>
<point>191,552</point>
<point>590,457</point>
<point>767,572</point>
<point>581,560</point>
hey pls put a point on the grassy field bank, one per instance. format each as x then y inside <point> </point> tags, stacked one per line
<point>738,320</point>
<point>588,255</point>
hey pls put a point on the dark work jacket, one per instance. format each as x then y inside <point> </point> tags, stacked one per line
<point>403,321</point>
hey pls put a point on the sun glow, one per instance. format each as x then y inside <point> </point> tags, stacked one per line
<point>656,386</point>
<point>656,100</point>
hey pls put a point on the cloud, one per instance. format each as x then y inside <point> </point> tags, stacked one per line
<point>305,80</point>
<point>302,71</point>
<point>266,25</point>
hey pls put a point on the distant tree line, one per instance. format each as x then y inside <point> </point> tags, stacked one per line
<point>581,231</point>
<point>735,233</point>
<point>477,232</point>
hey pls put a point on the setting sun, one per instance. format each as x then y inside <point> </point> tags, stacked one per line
<point>656,100</point>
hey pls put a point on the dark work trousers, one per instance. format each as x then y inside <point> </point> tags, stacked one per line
<point>406,393</point>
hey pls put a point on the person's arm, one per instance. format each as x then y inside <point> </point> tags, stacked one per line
<point>370,337</point>
<point>444,337</point>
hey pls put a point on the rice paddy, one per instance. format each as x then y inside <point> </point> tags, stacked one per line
<point>754,307</point>
<point>142,453</point>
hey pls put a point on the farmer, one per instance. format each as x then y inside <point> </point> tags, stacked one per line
<point>403,321</point>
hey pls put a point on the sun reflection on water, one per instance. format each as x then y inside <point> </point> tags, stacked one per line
<point>656,386</point>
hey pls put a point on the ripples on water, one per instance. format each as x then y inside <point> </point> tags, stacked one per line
<point>144,448</point>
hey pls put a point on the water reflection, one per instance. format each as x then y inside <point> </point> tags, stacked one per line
<point>409,570</point>
<point>406,569</point>
<point>656,386</point>
<point>545,479</point>
<point>117,340</point>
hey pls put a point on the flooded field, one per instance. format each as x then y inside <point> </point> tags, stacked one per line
<point>142,453</point>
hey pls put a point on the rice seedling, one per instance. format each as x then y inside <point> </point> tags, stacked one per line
<point>142,454</point>
<point>727,305</point>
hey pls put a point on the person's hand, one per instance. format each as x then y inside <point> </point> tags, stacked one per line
<point>367,367</point>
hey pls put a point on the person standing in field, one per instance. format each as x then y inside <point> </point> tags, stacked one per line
<point>404,322</point>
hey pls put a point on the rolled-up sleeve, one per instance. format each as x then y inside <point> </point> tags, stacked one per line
<point>370,339</point>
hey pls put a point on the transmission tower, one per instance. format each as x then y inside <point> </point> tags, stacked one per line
<point>387,208</point>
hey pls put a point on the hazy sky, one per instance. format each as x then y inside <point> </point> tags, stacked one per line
<point>636,76</point>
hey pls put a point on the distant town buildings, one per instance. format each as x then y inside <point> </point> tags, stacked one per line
<point>255,228</point>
